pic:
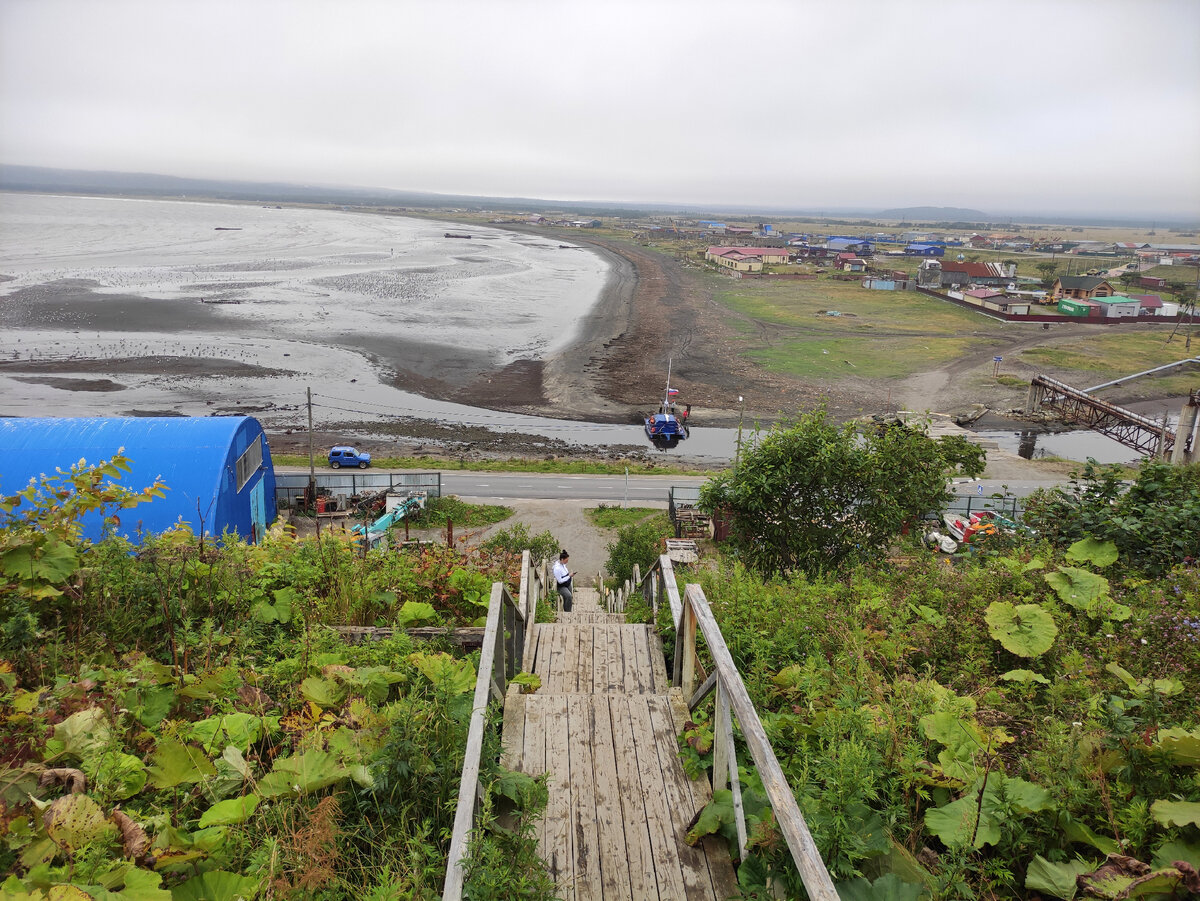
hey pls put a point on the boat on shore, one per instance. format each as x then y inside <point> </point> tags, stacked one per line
<point>669,425</point>
<point>453,235</point>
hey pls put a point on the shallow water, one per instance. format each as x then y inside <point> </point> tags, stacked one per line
<point>314,275</point>
<point>309,298</point>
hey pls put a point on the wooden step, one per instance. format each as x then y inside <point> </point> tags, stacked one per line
<point>620,803</point>
<point>583,658</point>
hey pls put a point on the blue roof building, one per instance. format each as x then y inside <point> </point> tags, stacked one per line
<point>925,250</point>
<point>217,469</point>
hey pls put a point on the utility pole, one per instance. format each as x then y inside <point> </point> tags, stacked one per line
<point>741,414</point>
<point>312,466</point>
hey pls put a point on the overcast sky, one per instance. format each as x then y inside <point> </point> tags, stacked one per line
<point>1006,106</point>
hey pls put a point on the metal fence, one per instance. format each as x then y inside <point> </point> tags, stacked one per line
<point>343,485</point>
<point>966,504</point>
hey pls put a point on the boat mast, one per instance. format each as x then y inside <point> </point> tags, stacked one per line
<point>667,394</point>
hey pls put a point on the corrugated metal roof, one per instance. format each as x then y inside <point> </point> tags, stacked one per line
<point>193,455</point>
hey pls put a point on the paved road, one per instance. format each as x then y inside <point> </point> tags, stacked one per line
<point>638,491</point>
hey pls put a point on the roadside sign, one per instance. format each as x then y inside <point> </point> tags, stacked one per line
<point>981,491</point>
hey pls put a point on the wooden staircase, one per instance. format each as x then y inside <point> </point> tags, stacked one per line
<point>603,725</point>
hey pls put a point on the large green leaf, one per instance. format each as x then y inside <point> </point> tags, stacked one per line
<point>1176,813</point>
<point>74,820</point>
<point>954,823</point>
<point>302,773</point>
<point>1055,879</point>
<point>1024,676</point>
<point>325,691</point>
<point>1080,588</point>
<point>886,888</point>
<point>716,813</point>
<point>449,675</point>
<point>1179,746</point>
<point>174,763</point>
<point>238,729</point>
<point>372,682</point>
<point>217,885</point>
<point>1170,852</point>
<point>280,611</point>
<point>1088,550</point>
<point>1026,630</point>
<point>1078,832</point>
<point>233,811</point>
<point>84,732</point>
<point>1142,688</point>
<point>415,612</point>
<point>117,775</point>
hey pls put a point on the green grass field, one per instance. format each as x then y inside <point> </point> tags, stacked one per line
<point>1110,356</point>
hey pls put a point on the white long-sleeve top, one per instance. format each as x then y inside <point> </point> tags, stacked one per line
<point>561,573</point>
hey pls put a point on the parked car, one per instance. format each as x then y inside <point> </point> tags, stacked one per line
<point>343,455</point>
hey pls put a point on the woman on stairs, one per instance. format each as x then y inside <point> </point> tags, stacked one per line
<point>562,579</point>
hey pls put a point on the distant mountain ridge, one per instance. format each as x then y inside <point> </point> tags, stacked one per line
<point>41,179</point>
<point>937,214</point>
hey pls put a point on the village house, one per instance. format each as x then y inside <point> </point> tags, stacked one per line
<point>746,259</point>
<point>1081,287</point>
<point>1118,305</point>
<point>987,274</point>
<point>925,250</point>
<point>1151,304</point>
<point>851,245</point>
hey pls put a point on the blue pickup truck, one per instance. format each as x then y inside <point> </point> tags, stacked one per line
<point>342,455</point>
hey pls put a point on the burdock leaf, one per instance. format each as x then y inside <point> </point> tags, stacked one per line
<point>74,820</point>
<point>1080,588</point>
<point>1025,630</point>
<point>1088,550</point>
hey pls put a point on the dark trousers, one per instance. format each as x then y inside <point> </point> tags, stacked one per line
<point>564,592</point>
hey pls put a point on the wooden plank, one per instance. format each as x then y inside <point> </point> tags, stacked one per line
<point>600,657</point>
<point>586,863</point>
<point>663,842</point>
<point>554,672</point>
<point>512,735</point>
<point>533,758</point>
<point>629,658</point>
<point>645,661</point>
<point>638,851</point>
<point>541,662</point>
<point>587,641</point>
<point>468,786</point>
<point>614,862</point>
<point>616,662</point>
<point>783,801</point>
<point>716,849</point>
<point>662,682</point>
<point>570,665</point>
<point>679,801</point>
<point>559,821</point>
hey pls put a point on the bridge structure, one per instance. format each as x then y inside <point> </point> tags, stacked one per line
<point>604,726</point>
<point>1142,434</point>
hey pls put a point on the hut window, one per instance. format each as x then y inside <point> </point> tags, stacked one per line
<point>249,462</point>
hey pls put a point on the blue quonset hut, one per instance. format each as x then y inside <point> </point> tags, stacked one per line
<point>215,468</point>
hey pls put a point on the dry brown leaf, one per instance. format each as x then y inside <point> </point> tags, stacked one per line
<point>74,780</point>
<point>133,836</point>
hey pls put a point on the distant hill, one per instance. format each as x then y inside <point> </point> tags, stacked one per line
<point>936,214</point>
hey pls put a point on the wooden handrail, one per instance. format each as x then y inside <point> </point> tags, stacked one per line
<point>732,697</point>
<point>659,581</point>
<point>506,638</point>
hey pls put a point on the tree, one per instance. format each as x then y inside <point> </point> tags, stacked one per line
<point>1152,521</point>
<point>812,495</point>
<point>639,543</point>
<point>1048,269</point>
